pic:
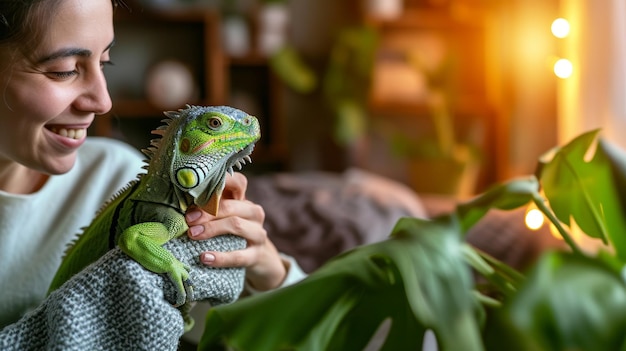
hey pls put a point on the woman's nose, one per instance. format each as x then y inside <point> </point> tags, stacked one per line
<point>95,96</point>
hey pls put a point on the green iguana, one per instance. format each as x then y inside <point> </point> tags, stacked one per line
<point>187,165</point>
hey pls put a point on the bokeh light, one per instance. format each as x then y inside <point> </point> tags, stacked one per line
<point>560,28</point>
<point>563,68</point>
<point>534,219</point>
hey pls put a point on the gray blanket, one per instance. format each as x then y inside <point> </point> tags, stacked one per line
<point>313,216</point>
<point>116,304</point>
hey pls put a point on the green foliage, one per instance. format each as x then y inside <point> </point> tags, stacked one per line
<point>572,302</point>
<point>508,196</point>
<point>420,278</point>
<point>586,190</point>
<point>292,70</point>
<point>346,82</point>
<point>350,122</point>
<point>338,307</point>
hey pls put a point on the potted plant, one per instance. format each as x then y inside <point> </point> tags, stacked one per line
<point>421,277</point>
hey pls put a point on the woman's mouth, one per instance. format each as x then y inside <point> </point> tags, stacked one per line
<point>72,133</point>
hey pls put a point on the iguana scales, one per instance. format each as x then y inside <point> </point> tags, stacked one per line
<point>187,165</point>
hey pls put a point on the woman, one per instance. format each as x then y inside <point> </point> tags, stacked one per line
<point>53,179</point>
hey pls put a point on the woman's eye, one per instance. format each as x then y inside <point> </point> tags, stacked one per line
<point>63,74</point>
<point>105,63</point>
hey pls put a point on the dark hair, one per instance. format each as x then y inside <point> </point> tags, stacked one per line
<point>17,19</point>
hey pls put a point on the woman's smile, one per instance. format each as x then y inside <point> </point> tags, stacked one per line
<point>66,135</point>
<point>68,132</point>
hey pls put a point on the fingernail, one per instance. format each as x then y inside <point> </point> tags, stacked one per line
<point>196,230</point>
<point>208,258</point>
<point>193,215</point>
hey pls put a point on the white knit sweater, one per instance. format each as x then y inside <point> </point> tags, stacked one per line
<point>36,228</point>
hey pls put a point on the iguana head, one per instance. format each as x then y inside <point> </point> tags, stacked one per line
<point>200,144</point>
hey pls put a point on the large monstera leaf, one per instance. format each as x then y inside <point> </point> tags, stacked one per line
<point>571,301</point>
<point>587,190</point>
<point>417,280</point>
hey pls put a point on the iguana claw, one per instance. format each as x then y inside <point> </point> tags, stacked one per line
<point>179,275</point>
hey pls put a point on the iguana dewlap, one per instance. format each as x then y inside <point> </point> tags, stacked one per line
<point>186,166</point>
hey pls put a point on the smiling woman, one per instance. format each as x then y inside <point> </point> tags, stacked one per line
<point>55,90</point>
<point>52,89</point>
<point>53,178</point>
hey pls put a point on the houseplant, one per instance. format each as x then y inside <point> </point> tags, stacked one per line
<point>421,277</point>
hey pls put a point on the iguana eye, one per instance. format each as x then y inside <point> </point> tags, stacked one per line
<point>246,121</point>
<point>214,123</point>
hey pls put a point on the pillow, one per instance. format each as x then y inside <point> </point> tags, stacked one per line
<point>313,216</point>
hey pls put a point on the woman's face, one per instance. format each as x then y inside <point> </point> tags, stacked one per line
<point>47,102</point>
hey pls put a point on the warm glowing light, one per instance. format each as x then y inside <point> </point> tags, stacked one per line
<point>585,242</point>
<point>555,232</point>
<point>563,68</point>
<point>534,219</point>
<point>560,28</point>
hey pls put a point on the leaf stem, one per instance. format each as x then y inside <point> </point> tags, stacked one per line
<point>539,201</point>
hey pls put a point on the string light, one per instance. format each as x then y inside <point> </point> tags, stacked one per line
<point>563,68</point>
<point>560,28</point>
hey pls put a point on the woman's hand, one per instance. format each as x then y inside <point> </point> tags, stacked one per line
<point>265,269</point>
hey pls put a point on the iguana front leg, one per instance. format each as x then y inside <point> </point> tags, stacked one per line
<point>143,242</point>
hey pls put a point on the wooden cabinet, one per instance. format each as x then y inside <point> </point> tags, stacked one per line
<point>192,38</point>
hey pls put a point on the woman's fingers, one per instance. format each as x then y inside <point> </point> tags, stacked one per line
<point>242,218</point>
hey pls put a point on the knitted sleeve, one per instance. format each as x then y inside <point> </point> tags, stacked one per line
<point>116,304</point>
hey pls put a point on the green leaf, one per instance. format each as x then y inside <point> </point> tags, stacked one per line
<point>571,302</point>
<point>616,222</point>
<point>507,196</point>
<point>417,279</point>
<point>503,278</point>
<point>568,181</point>
<point>437,279</point>
<point>294,72</point>
<point>586,190</point>
<point>351,122</point>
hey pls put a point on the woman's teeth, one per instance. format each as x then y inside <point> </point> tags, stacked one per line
<point>76,134</point>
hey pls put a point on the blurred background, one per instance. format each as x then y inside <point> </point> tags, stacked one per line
<point>445,96</point>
